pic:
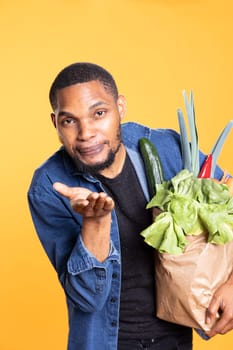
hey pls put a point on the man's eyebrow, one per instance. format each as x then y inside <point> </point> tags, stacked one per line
<point>99,103</point>
<point>65,114</point>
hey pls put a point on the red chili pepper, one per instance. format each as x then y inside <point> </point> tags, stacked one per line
<point>205,171</point>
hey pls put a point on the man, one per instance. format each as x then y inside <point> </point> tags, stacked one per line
<point>88,206</point>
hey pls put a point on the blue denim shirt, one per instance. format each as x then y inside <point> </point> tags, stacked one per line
<point>92,288</point>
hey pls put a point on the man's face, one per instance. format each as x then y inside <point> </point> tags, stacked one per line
<point>87,119</point>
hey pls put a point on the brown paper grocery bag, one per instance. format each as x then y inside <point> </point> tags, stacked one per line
<point>185,283</point>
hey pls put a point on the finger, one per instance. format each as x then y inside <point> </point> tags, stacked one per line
<point>100,203</point>
<point>227,328</point>
<point>104,202</point>
<point>212,311</point>
<point>96,200</point>
<point>216,329</point>
<point>63,189</point>
<point>224,323</point>
<point>71,193</point>
<point>220,324</point>
<point>109,204</point>
<point>79,205</point>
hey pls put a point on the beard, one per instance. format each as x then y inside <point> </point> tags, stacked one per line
<point>96,168</point>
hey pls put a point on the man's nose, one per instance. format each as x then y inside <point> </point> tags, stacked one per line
<point>85,130</point>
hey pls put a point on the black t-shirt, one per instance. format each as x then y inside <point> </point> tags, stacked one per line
<point>137,303</point>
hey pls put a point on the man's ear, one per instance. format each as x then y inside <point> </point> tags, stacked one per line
<point>53,118</point>
<point>121,103</point>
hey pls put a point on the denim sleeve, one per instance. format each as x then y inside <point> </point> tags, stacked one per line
<point>86,281</point>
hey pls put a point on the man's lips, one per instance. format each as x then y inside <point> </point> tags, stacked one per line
<point>91,150</point>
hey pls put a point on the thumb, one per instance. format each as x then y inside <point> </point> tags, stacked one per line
<point>63,189</point>
<point>212,311</point>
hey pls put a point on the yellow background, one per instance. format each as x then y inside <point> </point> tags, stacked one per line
<point>155,49</point>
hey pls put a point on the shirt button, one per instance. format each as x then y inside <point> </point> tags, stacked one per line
<point>114,323</point>
<point>114,275</point>
<point>113,300</point>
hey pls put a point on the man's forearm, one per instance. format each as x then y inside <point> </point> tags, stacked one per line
<point>96,236</point>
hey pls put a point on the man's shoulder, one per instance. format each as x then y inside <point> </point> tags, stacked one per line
<point>132,132</point>
<point>166,141</point>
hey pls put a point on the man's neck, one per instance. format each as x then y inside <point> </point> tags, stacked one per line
<point>117,165</point>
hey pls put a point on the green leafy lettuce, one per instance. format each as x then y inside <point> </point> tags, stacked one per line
<point>189,206</point>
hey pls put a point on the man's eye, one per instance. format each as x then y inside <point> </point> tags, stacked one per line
<point>67,121</point>
<point>100,113</point>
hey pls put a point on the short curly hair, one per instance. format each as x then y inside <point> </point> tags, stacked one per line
<point>82,72</point>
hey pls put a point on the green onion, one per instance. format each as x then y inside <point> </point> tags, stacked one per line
<point>185,146</point>
<point>193,132</point>
<point>190,157</point>
<point>218,145</point>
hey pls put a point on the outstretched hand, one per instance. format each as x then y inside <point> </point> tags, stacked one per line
<point>83,201</point>
<point>95,209</point>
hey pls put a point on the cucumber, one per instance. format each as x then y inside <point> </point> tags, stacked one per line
<point>153,166</point>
